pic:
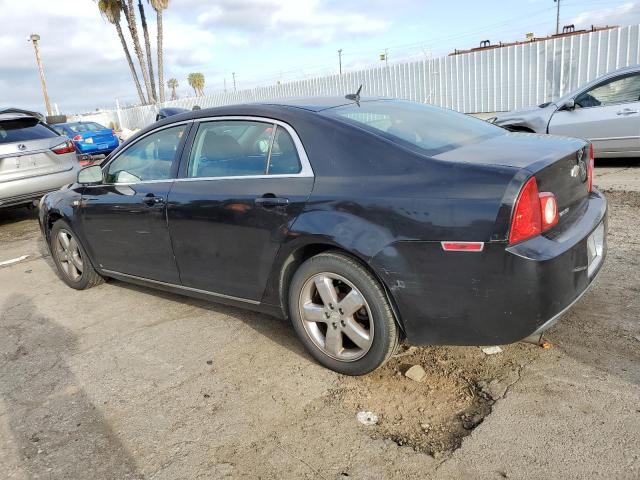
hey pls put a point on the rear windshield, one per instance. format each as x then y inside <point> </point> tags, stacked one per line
<point>432,129</point>
<point>86,127</point>
<point>23,129</point>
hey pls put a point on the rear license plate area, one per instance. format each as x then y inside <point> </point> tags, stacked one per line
<point>103,146</point>
<point>595,249</point>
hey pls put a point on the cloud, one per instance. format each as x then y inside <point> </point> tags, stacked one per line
<point>625,14</point>
<point>304,21</point>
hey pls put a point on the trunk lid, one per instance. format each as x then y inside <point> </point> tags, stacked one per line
<point>558,163</point>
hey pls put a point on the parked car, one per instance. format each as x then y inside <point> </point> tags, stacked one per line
<point>362,221</point>
<point>90,138</point>
<point>606,112</point>
<point>34,159</point>
<point>169,111</point>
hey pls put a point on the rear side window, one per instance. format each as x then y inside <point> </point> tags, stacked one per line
<point>433,130</point>
<point>232,148</point>
<point>238,148</point>
<point>24,129</point>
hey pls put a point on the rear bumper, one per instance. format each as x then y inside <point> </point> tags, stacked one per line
<point>26,190</point>
<point>93,149</point>
<point>498,296</point>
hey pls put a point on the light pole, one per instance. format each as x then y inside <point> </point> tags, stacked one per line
<point>35,38</point>
<point>340,60</point>
<point>234,81</point>
<point>557,16</point>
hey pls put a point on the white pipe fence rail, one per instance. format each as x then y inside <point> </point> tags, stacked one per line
<point>493,80</point>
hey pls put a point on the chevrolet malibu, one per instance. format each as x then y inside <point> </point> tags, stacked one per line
<point>363,221</point>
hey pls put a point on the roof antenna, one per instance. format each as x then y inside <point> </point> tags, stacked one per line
<point>355,96</point>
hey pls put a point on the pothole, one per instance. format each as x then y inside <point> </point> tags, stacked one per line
<point>433,416</point>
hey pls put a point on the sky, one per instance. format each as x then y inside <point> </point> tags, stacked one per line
<point>261,41</point>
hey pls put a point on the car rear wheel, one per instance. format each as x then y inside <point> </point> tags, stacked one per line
<point>70,258</point>
<point>342,315</point>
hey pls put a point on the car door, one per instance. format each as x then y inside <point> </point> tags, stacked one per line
<point>124,218</point>
<point>607,114</point>
<point>241,187</point>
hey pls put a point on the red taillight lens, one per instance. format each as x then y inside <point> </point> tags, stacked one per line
<point>526,221</point>
<point>590,168</point>
<point>77,138</point>
<point>534,212</point>
<point>548,210</point>
<point>66,147</point>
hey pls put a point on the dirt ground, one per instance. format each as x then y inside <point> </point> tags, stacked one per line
<point>126,382</point>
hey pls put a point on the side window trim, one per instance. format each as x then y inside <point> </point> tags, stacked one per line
<point>176,161</point>
<point>305,172</point>
<point>605,82</point>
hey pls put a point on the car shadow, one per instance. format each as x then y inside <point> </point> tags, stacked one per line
<point>275,329</point>
<point>54,427</point>
<point>17,214</point>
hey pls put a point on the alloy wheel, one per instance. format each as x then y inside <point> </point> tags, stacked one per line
<point>68,255</point>
<point>336,316</point>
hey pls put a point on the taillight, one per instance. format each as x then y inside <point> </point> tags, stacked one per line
<point>66,147</point>
<point>533,213</point>
<point>77,138</point>
<point>526,221</point>
<point>590,168</point>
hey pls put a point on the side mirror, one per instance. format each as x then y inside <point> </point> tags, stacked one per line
<point>90,175</point>
<point>568,105</point>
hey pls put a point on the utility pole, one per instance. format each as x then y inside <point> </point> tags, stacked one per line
<point>557,17</point>
<point>234,81</point>
<point>35,38</point>
<point>225,84</point>
<point>340,59</point>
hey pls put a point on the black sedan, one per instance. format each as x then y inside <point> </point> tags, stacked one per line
<point>362,221</point>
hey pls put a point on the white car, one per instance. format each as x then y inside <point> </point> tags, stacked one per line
<point>34,158</point>
<point>605,111</point>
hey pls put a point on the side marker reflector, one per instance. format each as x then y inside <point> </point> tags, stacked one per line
<point>462,246</point>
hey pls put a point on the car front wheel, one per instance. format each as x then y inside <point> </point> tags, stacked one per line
<point>70,258</point>
<point>341,314</point>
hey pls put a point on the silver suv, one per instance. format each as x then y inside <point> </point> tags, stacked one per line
<point>34,158</point>
<point>605,111</point>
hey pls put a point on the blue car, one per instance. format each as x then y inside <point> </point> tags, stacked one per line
<point>90,138</point>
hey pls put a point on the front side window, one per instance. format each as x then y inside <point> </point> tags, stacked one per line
<point>150,158</point>
<point>619,90</point>
<point>433,130</point>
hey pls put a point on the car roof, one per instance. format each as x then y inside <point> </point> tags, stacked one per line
<point>316,104</point>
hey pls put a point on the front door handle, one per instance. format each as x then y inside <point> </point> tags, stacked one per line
<point>271,201</point>
<point>151,200</point>
<point>626,111</point>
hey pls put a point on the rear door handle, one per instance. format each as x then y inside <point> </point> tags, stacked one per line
<point>272,201</point>
<point>626,111</point>
<point>151,200</point>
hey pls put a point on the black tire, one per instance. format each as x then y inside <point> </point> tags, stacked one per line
<point>379,318</point>
<point>80,281</point>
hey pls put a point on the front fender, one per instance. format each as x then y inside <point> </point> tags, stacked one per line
<point>59,204</point>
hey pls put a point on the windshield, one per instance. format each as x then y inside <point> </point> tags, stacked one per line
<point>432,129</point>
<point>86,127</point>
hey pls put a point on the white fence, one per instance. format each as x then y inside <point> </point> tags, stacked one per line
<point>486,81</point>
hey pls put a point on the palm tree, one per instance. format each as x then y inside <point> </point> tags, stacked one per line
<point>159,6</point>
<point>110,9</point>
<point>196,81</point>
<point>130,15</point>
<point>147,44</point>
<point>172,84</point>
